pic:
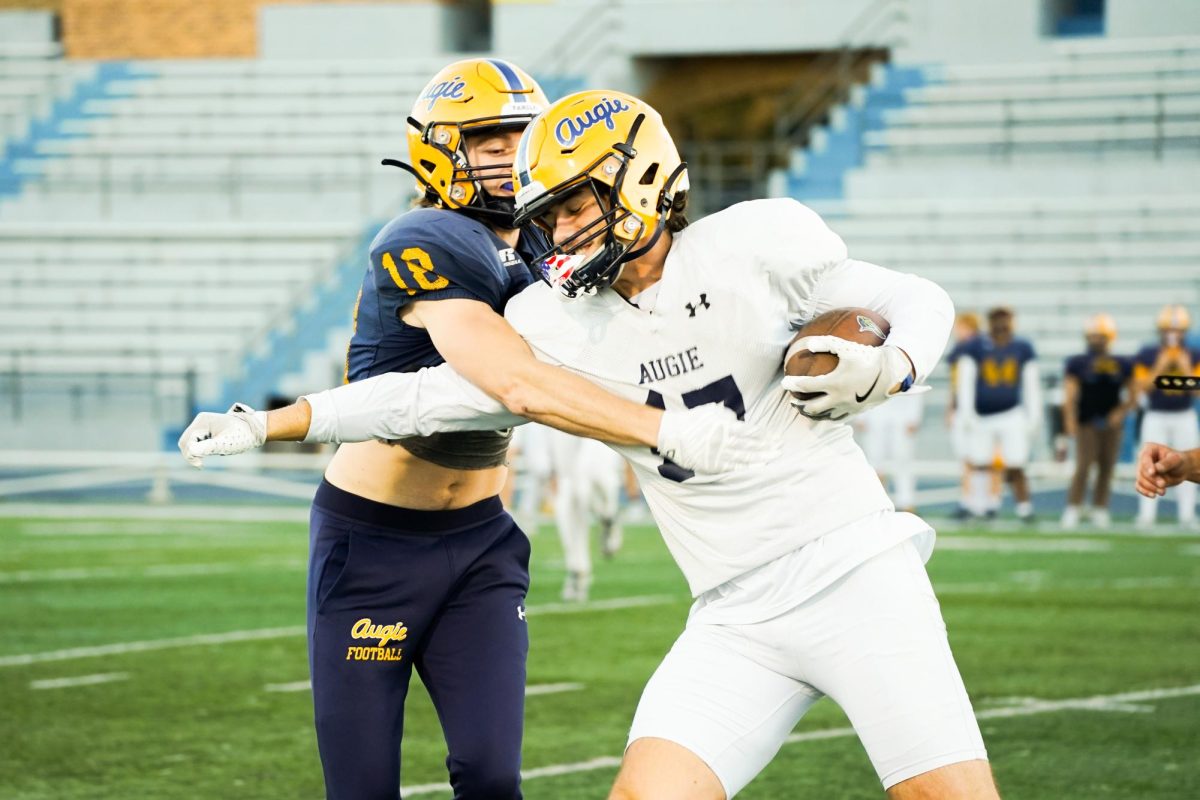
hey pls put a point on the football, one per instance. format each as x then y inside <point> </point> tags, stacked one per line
<point>860,325</point>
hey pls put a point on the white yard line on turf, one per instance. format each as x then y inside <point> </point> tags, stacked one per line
<point>1025,586</point>
<point>530,691</point>
<point>82,680</point>
<point>79,479</point>
<point>604,762</point>
<point>121,648</point>
<point>147,571</point>
<point>202,640</point>
<point>248,482</point>
<point>1009,545</point>
<point>218,511</point>
<point>551,688</point>
<point>1111,702</point>
<point>612,604</point>
<point>142,527</point>
<point>296,686</point>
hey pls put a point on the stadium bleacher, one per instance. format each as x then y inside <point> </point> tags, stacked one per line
<point>228,140</point>
<point>1062,187</point>
<point>137,206</point>
<point>197,172</point>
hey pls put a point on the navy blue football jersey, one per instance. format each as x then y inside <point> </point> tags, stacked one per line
<point>998,372</point>
<point>428,254</point>
<point>1101,378</point>
<point>1166,399</point>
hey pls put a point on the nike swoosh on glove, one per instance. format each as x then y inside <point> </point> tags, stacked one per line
<point>238,430</point>
<point>863,378</point>
<point>711,439</point>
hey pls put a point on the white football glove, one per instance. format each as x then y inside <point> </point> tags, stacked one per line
<point>239,429</point>
<point>863,378</point>
<point>711,439</point>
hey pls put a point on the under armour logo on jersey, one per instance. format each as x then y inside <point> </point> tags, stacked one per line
<point>693,307</point>
<point>521,613</point>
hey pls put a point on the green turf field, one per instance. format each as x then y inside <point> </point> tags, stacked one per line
<point>1070,647</point>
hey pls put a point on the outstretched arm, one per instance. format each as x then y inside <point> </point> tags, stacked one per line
<point>484,348</point>
<point>708,438</point>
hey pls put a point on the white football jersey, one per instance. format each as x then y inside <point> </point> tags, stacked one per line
<point>734,288</point>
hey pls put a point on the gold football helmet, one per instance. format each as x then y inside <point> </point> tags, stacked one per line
<point>473,96</point>
<point>1101,325</point>
<point>1174,318</point>
<point>616,146</point>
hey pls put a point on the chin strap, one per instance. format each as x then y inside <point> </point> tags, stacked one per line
<point>665,201</point>
<point>425,185</point>
<point>498,211</point>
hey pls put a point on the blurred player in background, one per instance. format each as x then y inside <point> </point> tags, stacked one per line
<point>999,396</point>
<point>1093,415</point>
<point>966,328</point>
<point>1170,416</point>
<point>807,581</point>
<point>890,440</point>
<point>532,470</point>
<point>587,481</point>
<point>413,560</point>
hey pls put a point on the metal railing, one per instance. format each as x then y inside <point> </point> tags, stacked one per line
<point>231,184</point>
<point>585,41</point>
<point>808,102</point>
<point>729,171</point>
<point>167,394</point>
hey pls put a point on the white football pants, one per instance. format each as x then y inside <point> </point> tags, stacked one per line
<point>588,485</point>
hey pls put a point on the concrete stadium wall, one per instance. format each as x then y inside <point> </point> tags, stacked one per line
<point>984,31</point>
<point>26,26</point>
<point>664,27</point>
<point>379,31</point>
<point>965,31</point>
<point>564,33</point>
<point>1152,18</point>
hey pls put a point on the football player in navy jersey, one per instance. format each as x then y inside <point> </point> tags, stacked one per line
<point>1170,417</point>
<point>413,561</point>
<point>999,396</point>
<point>1094,416</point>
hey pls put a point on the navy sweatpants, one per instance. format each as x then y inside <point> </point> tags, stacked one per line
<point>390,589</point>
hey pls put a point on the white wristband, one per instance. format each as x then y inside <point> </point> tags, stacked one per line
<point>322,426</point>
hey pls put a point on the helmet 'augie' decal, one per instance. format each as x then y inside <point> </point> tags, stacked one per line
<point>569,129</point>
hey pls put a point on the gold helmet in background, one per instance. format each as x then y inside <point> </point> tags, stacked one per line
<point>1174,318</point>
<point>1101,325</point>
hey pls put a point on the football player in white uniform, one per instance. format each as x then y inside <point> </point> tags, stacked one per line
<point>533,465</point>
<point>587,486</point>
<point>807,581</point>
<point>889,438</point>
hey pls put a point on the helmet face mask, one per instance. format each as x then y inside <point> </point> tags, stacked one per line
<point>563,266</point>
<point>617,148</point>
